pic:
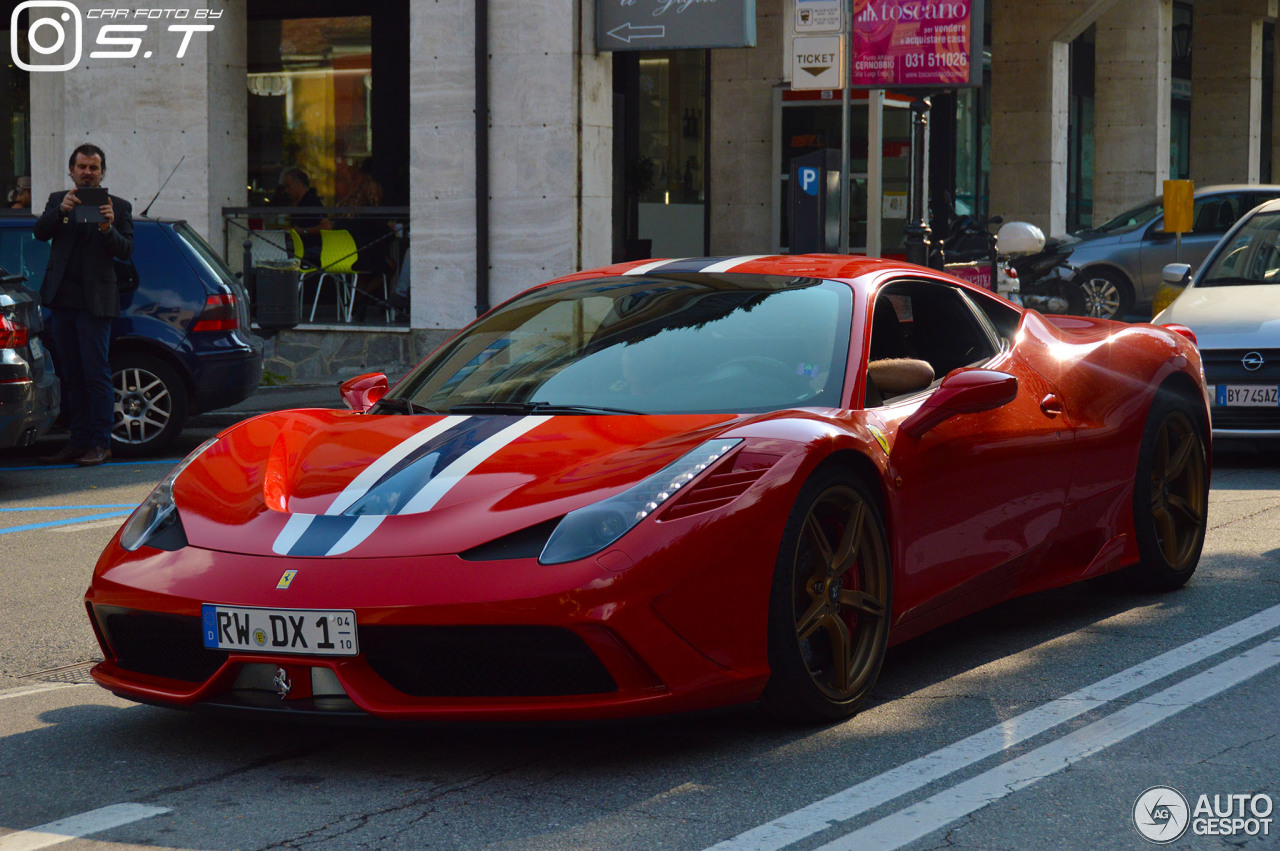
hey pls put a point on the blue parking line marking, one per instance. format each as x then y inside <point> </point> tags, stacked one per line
<point>71,507</point>
<point>66,522</point>
<point>170,461</point>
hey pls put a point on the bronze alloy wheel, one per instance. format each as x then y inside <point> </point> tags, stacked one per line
<point>1170,495</point>
<point>830,606</point>
<point>1178,494</point>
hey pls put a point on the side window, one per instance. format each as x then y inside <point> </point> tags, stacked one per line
<point>1004,317</point>
<point>1216,214</point>
<point>915,325</point>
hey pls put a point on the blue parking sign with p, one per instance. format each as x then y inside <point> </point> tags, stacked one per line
<point>808,180</point>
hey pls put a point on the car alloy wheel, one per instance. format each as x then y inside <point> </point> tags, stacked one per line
<point>829,623</point>
<point>1171,495</point>
<point>150,405</point>
<point>1177,490</point>
<point>1101,296</point>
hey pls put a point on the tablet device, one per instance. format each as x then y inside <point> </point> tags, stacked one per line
<point>91,198</point>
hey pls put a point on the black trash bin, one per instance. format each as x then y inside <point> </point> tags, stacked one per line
<point>277,285</point>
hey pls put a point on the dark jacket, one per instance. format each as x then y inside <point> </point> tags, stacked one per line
<point>98,266</point>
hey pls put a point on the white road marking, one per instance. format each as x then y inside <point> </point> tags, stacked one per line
<point>849,803</point>
<point>74,827</point>
<point>23,691</point>
<point>114,523</point>
<point>940,810</point>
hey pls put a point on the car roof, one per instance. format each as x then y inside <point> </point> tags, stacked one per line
<point>829,266</point>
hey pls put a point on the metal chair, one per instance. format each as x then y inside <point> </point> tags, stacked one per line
<point>338,255</point>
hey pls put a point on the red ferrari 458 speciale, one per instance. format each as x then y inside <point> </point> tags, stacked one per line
<point>657,487</point>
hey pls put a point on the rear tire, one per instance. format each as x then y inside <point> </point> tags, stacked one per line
<point>830,603</point>
<point>150,405</point>
<point>1170,495</point>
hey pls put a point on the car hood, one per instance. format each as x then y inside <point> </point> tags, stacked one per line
<point>1234,317</point>
<point>323,483</point>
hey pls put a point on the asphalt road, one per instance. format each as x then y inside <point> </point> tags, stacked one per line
<point>1038,724</point>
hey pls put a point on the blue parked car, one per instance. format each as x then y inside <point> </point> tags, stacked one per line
<point>182,343</point>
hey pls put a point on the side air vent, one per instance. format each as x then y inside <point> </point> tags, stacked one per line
<point>722,486</point>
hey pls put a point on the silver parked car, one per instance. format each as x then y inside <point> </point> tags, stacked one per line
<point>1232,305</point>
<point>1120,261</point>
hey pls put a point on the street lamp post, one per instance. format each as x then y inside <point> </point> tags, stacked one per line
<point>917,228</point>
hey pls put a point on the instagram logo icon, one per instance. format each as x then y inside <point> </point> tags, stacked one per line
<point>47,33</point>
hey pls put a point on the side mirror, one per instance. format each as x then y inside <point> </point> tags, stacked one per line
<point>362,392</point>
<point>965,391</point>
<point>1176,274</point>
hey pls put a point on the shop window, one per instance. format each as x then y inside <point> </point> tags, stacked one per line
<point>310,86</point>
<point>663,102</point>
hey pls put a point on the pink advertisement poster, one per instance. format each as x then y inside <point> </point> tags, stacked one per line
<point>899,43</point>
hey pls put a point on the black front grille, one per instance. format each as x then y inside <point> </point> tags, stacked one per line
<point>168,646</point>
<point>1226,366</point>
<point>1246,418</point>
<point>484,661</point>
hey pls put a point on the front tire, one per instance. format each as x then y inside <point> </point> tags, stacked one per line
<point>150,405</point>
<point>1101,293</point>
<point>829,606</point>
<point>1170,495</point>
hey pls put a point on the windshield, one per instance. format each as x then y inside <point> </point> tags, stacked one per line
<point>1132,219</point>
<point>693,344</point>
<point>1251,255</point>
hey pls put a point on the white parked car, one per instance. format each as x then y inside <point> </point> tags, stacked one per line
<point>1232,305</point>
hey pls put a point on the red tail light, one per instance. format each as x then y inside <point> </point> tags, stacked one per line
<point>1184,331</point>
<point>12,334</point>
<point>219,314</point>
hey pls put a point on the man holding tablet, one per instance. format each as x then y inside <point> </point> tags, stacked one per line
<point>90,230</point>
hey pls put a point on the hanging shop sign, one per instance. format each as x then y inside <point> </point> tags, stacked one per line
<point>672,24</point>
<point>912,44</point>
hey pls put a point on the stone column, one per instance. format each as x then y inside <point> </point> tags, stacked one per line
<point>741,126</point>
<point>1132,77</point>
<point>550,156</point>
<point>1226,89</point>
<point>149,110</point>
<point>1029,106</point>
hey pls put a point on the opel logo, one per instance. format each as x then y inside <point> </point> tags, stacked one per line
<point>1252,361</point>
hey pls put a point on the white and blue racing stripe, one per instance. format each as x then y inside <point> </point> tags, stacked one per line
<point>409,479</point>
<point>694,264</point>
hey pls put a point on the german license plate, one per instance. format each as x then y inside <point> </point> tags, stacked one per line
<point>1246,396</point>
<point>314,632</point>
<point>37,351</point>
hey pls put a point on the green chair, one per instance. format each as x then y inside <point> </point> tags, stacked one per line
<point>338,255</point>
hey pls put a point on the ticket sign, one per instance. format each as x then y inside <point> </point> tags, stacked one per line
<point>904,44</point>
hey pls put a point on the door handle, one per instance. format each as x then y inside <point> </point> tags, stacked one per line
<point>1051,405</point>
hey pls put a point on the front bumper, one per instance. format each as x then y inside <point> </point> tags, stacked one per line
<point>591,644</point>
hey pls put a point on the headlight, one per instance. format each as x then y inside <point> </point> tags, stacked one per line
<point>157,511</point>
<point>590,529</point>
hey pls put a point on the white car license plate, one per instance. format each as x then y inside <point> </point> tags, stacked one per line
<point>37,351</point>
<point>314,632</point>
<point>1246,396</point>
